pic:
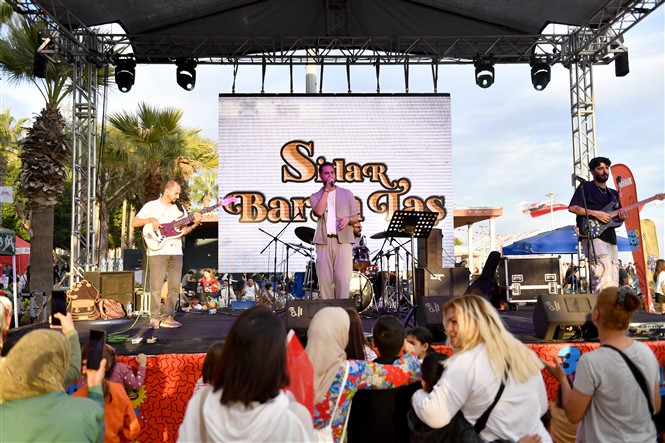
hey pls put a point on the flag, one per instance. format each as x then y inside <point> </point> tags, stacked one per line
<point>536,209</point>
<point>625,185</point>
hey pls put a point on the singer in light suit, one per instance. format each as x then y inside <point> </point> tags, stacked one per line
<point>337,211</point>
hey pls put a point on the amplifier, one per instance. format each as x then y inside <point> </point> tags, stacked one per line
<point>300,312</point>
<point>441,281</point>
<point>117,286</point>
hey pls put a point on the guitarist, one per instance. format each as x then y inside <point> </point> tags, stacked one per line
<point>602,251</point>
<point>166,261</point>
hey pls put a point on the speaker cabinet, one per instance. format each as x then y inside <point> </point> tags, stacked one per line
<point>117,286</point>
<point>300,312</point>
<point>429,249</point>
<point>429,314</point>
<point>441,281</point>
<point>132,259</point>
<point>564,316</point>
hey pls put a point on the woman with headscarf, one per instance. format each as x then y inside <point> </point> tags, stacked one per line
<point>486,357</point>
<point>334,386</point>
<point>606,395</point>
<point>33,403</point>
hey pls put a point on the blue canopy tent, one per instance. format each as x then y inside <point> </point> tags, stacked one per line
<point>559,241</point>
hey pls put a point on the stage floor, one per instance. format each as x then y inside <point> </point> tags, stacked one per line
<point>200,329</point>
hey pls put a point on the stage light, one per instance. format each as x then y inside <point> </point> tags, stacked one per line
<point>540,75</point>
<point>39,65</point>
<point>621,66</point>
<point>484,73</point>
<point>125,73</point>
<point>186,73</point>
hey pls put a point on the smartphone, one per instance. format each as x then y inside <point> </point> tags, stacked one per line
<point>96,344</point>
<point>58,304</point>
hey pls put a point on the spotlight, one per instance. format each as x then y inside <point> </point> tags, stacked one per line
<point>186,73</point>
<point>540,75</point>
<point>124,73</point>
<point>484,73</point>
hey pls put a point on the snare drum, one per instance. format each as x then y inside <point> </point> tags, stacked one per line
<point>361,291</point>
<point>360,257</point>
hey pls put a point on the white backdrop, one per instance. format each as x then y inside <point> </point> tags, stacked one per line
<point>393,152</point>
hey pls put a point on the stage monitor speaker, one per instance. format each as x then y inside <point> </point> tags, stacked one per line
<point>441,281</point>
<point>117,286</point>
<point>429,314</point>
<point>429,249</point>
<point>300,312</point>
<point>564,316</point>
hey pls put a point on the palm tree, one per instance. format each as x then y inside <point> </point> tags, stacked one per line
<point>204,188</point>
<point>162,149</point>
<point>11,131</point>
<point>45,151</point>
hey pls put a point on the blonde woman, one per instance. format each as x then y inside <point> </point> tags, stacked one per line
<point>486,355</point>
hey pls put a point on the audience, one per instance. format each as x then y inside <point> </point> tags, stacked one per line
<point>337,379</point>
<point>211,362</point>
<point>209,287</point>
<point>124,374</point>
<point>606,396</point>
<point>421,339</point>
<point>246,401</point>
<point>486,358</point>
<point>121,424</point>
<point>432,369</point>
<point>380,415</point>
<point>33,402</point>
<point>659,285</point>
<point>5,319</point>
<point>358,347</point>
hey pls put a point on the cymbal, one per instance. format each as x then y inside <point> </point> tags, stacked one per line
<point>305,234</point>
<point>380,235</point>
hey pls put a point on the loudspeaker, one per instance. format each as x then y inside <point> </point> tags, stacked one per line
<point>559,316</point>
<point>132,259</point>
<point>300,312</point>
<point>621,67</point>
<point>429,250</point>
<point>441,281</point>
<point>117,286</point>
<point>429,314</point>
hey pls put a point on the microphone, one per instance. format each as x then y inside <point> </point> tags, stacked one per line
<point>331,183</point>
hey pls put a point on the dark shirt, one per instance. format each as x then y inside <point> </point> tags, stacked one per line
<point>380,415</point>
<point>596,199</point>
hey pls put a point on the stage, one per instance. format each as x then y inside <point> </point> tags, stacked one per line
<point>175,358</point>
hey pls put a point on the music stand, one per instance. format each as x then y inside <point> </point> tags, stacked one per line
<point>413,224</point>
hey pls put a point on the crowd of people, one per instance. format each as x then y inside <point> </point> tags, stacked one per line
<point>394,388</point>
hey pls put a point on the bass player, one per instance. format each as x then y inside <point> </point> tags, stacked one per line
<point>167,260</point>
<point>601,251</point>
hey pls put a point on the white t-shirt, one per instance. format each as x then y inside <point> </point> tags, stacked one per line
<point>250,293</point>
<point>469,385</point>
<point>331,218</point>
<point>164,214</point>
<point>618,410</point>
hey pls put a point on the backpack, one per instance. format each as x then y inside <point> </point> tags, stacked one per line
<point>82,301</point>
<point>110,309</point>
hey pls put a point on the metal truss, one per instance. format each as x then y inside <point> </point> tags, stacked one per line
<point>599,41</point>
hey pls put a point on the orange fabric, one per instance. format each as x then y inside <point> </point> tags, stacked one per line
<point>121,422</point>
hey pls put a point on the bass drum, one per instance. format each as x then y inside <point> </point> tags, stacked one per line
<point>361,291</point>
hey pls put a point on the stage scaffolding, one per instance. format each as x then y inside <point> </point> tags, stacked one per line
<point>599,41</point>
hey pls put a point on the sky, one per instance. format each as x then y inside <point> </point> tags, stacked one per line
<point>511,143</point>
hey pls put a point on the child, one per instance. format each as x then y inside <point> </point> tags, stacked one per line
<point>120,419</point>
<point>432,370</point>
<point>209,287</point>
<point>210,362</point>
<point>123,374</point>
<point>380,415</point>
<point>421,339</point>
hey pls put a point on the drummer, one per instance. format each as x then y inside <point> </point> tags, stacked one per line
<point>357,234</point>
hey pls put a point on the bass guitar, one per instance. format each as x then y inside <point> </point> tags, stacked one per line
<point>155,239</point>
<point>596,227</point>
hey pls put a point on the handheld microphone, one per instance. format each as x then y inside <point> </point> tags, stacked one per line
<point>331,183</point>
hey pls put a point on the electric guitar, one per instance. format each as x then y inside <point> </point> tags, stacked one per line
<point>155,239</point>
<point>596,227</point>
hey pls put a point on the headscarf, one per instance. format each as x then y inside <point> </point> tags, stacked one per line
<point>327,338</point>
<point>36,365</point>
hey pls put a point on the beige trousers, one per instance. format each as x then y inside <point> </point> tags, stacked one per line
<point>334,266</point>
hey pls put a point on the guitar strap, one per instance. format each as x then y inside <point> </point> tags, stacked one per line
<point>180,208</point>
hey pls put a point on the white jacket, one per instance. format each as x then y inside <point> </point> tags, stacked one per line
<point>278,420</point>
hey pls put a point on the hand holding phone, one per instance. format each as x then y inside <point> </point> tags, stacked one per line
<point>96,344</point>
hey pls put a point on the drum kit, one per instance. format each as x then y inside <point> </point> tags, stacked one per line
<point>373,284</point>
